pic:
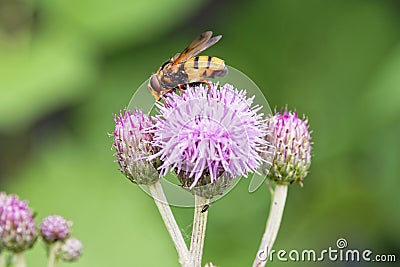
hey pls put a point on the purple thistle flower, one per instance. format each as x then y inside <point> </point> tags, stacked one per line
<point>54,228</point>
<point>207,132</point>
<point>292,140</point>
<point>69,250</point>
<point>132,145</point>
<point>17,225</point>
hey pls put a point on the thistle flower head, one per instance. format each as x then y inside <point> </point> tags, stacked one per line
<point>132,145</point>
<point>17,225</point>
<point>292,140</point>
<point>69,250</point>
<point>209,131</point>
<point>54,228</point>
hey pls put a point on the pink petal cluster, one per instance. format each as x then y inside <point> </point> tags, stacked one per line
<point>132,146</point>
<point>292,140</point>
<point>208,131</point>
<point>70,250</point>
<point>54,228</point>
<point>17,225</point>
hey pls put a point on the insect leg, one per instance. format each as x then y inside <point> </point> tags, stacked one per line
<point>208,83</point>
<point>181,87</point>
<point>163,93</point>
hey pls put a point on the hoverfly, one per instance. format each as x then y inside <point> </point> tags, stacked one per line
<point>187,68</point>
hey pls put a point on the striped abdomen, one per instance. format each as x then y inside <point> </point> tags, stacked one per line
<point>200,67</point>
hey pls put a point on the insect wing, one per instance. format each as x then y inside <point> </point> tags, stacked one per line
<point>200,44</point>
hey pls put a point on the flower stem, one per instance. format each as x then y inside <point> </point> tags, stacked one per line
<point>169,221</point>
<point>199,231</point>
<point>273,224</point>
<point>19,260</point>
<point>52,256</point>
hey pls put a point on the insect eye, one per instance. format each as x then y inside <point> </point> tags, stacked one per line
<point>154,82</point>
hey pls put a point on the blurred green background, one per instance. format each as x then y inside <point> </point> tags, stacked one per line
<point>66,66</point>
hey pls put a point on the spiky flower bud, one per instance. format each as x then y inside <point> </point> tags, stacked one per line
<point>69,250</point>
<point>208,132</point>
<point>17,225</point>
<point>132,145</point>
<point>54,228</point>
<point>292,140</point>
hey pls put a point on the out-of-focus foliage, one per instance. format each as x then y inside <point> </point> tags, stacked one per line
<point>66,66</point>
<point>50,50</point>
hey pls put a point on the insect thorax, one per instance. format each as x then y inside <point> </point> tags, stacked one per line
<point>172,77</point>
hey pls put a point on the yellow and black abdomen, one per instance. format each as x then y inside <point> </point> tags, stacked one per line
<point>201,67</point>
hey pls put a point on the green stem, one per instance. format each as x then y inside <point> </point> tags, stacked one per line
<point>273,224</point>
<point>169,220</point>
<point>19,260</point>
<point>52,255</point>
<point>199,231</point>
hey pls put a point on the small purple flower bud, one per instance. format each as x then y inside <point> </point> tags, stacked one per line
<point>207,132</point>
<point>69,250</point>
<point>292,141</point>
<point>17,225</point>
<point>132,145</point>
<point>54,228</point>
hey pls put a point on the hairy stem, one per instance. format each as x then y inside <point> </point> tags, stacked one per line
<point>52,255</point>
<point>169,221</point>
<point>199,231</point>
<point>19,260</point>
<point>273,224</point>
